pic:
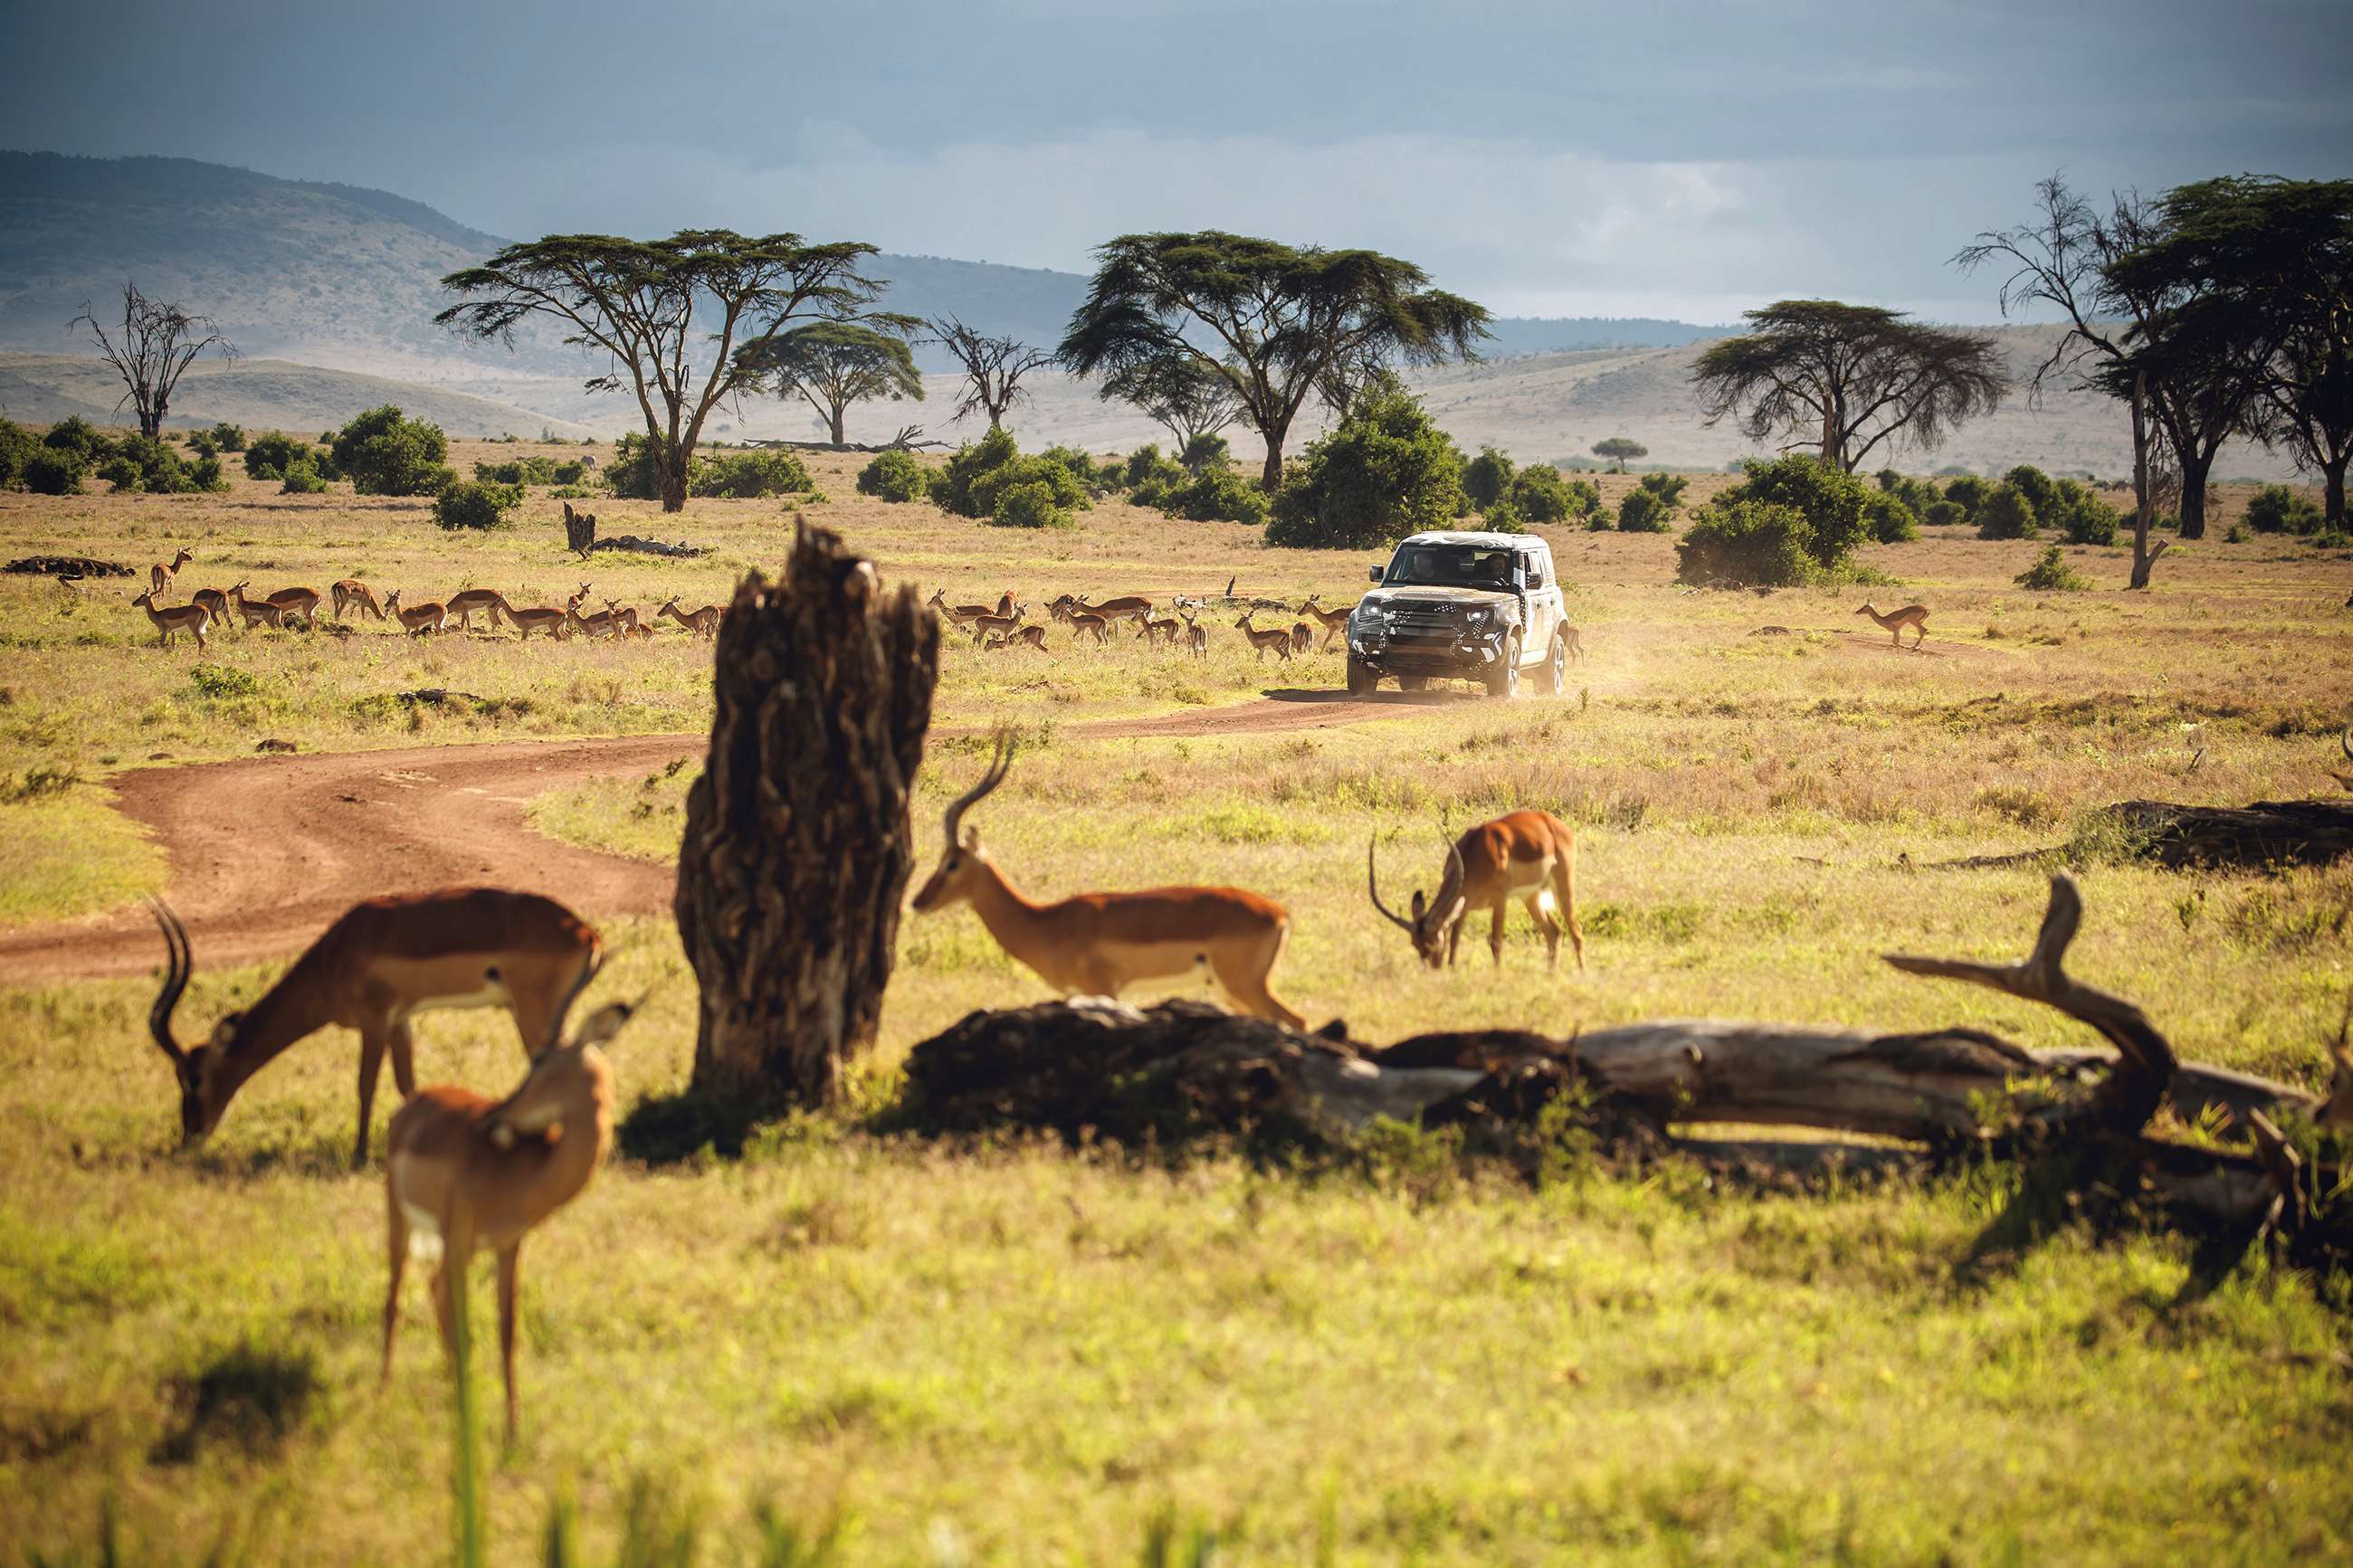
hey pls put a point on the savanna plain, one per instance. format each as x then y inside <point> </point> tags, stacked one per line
<point>1013,1351</point>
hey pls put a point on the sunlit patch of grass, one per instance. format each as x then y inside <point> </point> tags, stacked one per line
<point>66,852</point>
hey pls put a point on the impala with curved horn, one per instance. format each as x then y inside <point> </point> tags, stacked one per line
<point>381,963</point>
<point>1527,855</point>
<point>2345,745</point>
<point>1098,944</point>
<point>466,1173</point>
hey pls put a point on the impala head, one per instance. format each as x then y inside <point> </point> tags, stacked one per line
<point>550,1091</point>
<point>391,601</point>
<point>145,596</point>
<point>197,1116</point>
<point>180,558</point>
<point>962,859</point>
<point>1868,609</point>
<point>1245,622</point>
<point>1433,917</point>
<point>240,585</point>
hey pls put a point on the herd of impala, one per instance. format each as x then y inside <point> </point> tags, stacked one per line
<point>209,607</point>
<point>1006,623</point>
<point>466,1173</point>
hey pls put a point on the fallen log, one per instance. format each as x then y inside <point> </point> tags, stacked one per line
<point>2266,833</point>
<point>68,567</point>
<point>580,537</point>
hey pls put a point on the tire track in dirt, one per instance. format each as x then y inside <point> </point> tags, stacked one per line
<point>264,851</point>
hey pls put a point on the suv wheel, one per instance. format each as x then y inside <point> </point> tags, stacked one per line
<point>1556,666</point>
<point>1413,683</point>
<point>1503,678</point>
<point>1361,682</point>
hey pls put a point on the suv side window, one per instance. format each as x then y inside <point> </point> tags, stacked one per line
<point>1535,562</point>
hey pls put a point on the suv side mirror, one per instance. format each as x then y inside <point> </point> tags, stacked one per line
<point>1376,574</point>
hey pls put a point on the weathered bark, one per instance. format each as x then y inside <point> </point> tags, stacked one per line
<point>2195,466</point>
<point>837,416</point>
<point>579,530</point>
<point>798,847</point>
<point>2266,833</point>
<point>2332,490</point>
<point>2145,503</point>
<point>673,488</point>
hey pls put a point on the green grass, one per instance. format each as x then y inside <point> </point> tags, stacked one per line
<point>65,852</point>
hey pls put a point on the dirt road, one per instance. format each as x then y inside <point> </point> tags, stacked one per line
<point>265,851</point>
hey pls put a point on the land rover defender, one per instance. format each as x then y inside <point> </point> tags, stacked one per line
<point>1462,607</point>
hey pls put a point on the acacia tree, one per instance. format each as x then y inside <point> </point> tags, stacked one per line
<point>993,367</point>
<point>1178,394</point>
<point>159,342</point>
<point>1284,318</point>
<point>638,300</point>
<point>2127,328</point>
<point>1620,450</point>
<point>831,365</point>
<point>1845,378</point>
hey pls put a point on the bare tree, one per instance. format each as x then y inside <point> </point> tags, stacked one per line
<point>159,342</point>
<point>993,367</point>
<point>1845,378</point>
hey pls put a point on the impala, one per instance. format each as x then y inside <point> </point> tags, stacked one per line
<point>1133,607</point>
<point>169,623</point>
<point>602,624</point>
<point>1196,638</point>
<point>2345,745</point>
<point>1084,625</point>
<point>212,599</point>
<point>1098,944</point>
<point>353,594</point>
<point>1913,616</point>
<point>160,575</point>
<point>1333,622</point>
<point>624,616</point>
<point>1527,855</point>
<point>467,601</point>
<point>1158,628</point>
<point>541,617</point>
<point>964,615</point>
<point>422,620</point>
<point>983,627</point>
<point>1266,642</point>
<point>1025,637</point>
<point>302,601</point>
<point>382,962</point>
<point>252,610</point>
<point>1301,639</point>
<point>465,1173</point>
<point>703,623</point>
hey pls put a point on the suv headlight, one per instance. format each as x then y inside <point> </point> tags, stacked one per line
<point>1372,618</point>
<point>1477,618</point>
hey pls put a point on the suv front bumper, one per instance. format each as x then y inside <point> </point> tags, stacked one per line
<point>1467,653</point>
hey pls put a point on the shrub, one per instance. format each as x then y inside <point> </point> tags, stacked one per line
<point>1829,498</point>
<point>749,476</point>
<point>1889,521</point>
<point>1145,462</point>
<point>1668,488</point>
<point>470,504</point>
<point>1541,493</point>
<point>154,466</point>
<point>269,455</point>
<point>2277,509</point>
<point>1030,503</point>
<point>1945,514</point>
<point>1083,468</point>
<point>120,473</point>
<point>202,443</point>
<point>79,436</point>
<point>522,471</point>
<point>302,480</point>
<point>1967,492</point>
<point>895,476</point>
<point>384,454</point>
<point>205,474</point>
<point>2006,513</point>
<point>1642,511</point>
<point>1502,516</point>
<point>54,472</point>
<point>630,475</point>
<point>17,446</point>
<point>1217,495</point>
<point>978,475</point>
<point>1740,540</point>
<point>1380,474</point>
<point>2041,491</point>
<point>229,438</point>
<point>569,472</point>
<point>1487,477</point>
<point>2332,539</point>
<point>1206,451</point>
<point>2052,574</point>
<point>2079,513</point>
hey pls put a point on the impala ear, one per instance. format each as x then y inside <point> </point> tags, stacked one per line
<point>607,1022</point>
<point>972,838</point>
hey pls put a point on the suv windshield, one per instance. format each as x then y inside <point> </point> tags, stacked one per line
<point>1452,566</point>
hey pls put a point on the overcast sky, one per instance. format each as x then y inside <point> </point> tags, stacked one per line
<point>1644,158</point>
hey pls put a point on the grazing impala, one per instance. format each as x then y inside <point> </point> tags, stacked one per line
<point>1527,855</point>
<point>467,602</point>
<point>1132,607</point>
<point>252,611</point>
<point>170,623</point>
<point>350,593</point>
<point>160,575</point>
<point>381,963</point>
<point>1333,622</point>
<point>302,603</point>
<point>212,599</point>
<point>540,618</point>
<point>466,1173</point>
<point>1158,628</point>
<point>1020,637</point>
<point>1098,944</point>
<point>422,620</point>
<point>703,623</point>
<point>1913,616</point>
<point>1266,642</point>
<point>624,617</point>
<point>983,627</point>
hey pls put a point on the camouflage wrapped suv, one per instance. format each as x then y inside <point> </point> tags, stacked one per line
<point>1463,607</point>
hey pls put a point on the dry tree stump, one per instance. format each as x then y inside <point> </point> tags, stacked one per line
<point>798,845</point>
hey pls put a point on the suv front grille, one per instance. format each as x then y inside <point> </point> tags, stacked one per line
<point>1419,621</point>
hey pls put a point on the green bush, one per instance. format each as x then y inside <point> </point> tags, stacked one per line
<point>1083,468</point>
<point>1918,495</point>
<point>17,446</point>
<point>2332,539</point>
<point>1644,511</point>
<point>120,473</point>
<point>229,438</point>
<point>1541,493</point>
<point>2052,574</point>
<point>2277,509</point>
<point>571,471</point>
<point>2080,515</point>
<point>1030,503</point>
<point>1144,463</point>
<point>268,456</point>
<point>54,472</point>
<point>1487,477</point>
<point>205,474</point>
<point>1967,492</point>
<point>976,479</point>
<point>384,454</point>
<point>1889,521</point>
<point>1207,451</point>
<point>470,504</point>
<point>2006,513</point>
<point>202,443</point>
<point>2040,491</point>
<point>749,476</point>
<point>1384,472</point>
<point>1742,541</point>
<point>1502,516</point>
<point>1668,488</point>
<point>1945,514</point>
<point>895,476</point>
<point>522,471</point>
<point>1217,495</point>
<point>302,480</point>
<point>79,436</point>
<point>630,475</point>
<point>154,466</point>
<point>1830,499</point>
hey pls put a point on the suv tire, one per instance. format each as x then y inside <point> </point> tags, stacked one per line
<point>1413,683</point>
<point>1362,681</point>
<point>1503,678</point>
<point>1556,668</point>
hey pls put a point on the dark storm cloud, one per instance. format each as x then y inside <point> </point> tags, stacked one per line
<point>1561,158</point>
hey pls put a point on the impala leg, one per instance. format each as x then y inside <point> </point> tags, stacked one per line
<point>404,1059</point>
<point>1243,977</point>
<point>396,1237</point>
<point>1550,928</point>
<point>1454,937</point>
<point>372,1044</point>
<point>1495,933</point>
<point>509,1263</point>
<point>1563,888</point>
